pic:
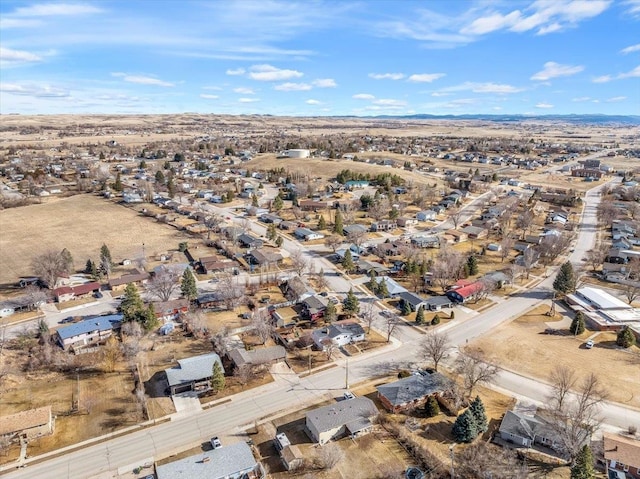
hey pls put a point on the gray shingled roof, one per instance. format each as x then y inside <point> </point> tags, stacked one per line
<point>241,356</point>
<point>342,413</point>
<point>221,463</point>
<point>413,388</point>
<point>192,369</point>
<point>97,323</point>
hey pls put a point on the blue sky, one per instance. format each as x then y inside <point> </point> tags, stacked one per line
<point>309,57</point>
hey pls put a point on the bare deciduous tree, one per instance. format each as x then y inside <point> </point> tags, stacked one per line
<point>524,221</point>
<point>563,379</point>
<point>333,242</point>
<point>435,347</point>
<point>631,291</point>
<point>506,245</point>
<point>446,267</point>
<point>163,284</point>
<point>299,262</point>
<point>244,373</point>
<point>368,314</point>
<point>230,291</point>
<point>111,354</point>
<point>196,323</point>
<point>330,455</point>
<point>596,256</point>
<point>390,325</point>
<point>474,371</point>
<point>262,324</point>
<point>329,346</point>
<point>49,266</point>
<point>456,215</point>
<point>221,341</point>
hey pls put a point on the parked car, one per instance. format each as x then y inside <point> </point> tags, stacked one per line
<point>334,300</point>
<point>589,344</point>
<point>348,395</point>
<point>215,442</point>
<point>67,320</point>
<point>97,294</point>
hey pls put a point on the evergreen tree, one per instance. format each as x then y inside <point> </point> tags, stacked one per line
<point>160,177</point>
<point>338,225</point>
<point>102,157</point>
<point>383,289</point>
<point>347,262</point>
<point>117,186</point>
<point>147,317</point>
<point>577,325</point>
<point>254,200</point>
<point>277,204</point>
<point>479,415</point>
<point>330,312</point>
<point>272,234</point>
<point>436,320</point>
<point>472,262</point>
<point>625,337</point>
<point>464,429</point>
<point>105,255</point>
<point>351,305</point>
<point>565,281</point>
<point>217,377</point>
<point>279,241</point>
<point>131,304</point>
<point>188,285</point>
<point>406,308</point>
<point>583,465</point>
<point>431,407</point>
<point>171,187</point>
<point>372,284</point>
<point>322,223</point>
<point>142,165</point>
<point>420,315</point>
<point>89,266</point>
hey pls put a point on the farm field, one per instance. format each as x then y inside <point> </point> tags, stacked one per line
<point>617,370</point>
<point>80,223</point>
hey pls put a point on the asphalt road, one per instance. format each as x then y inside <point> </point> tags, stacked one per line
<point>243,409</point>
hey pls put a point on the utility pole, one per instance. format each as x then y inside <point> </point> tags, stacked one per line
<point>346,375</point>
<point>452,455</point>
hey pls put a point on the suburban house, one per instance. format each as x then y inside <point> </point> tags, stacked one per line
<point>213,264</point>
<point>68,293</point>
<point>350,417</point>
<point>353,229</point>
<point>249,241</point>
<point>270,219</point>
<point>192,374</point>
<point>524,428</point>
<point>427,215</point>
<point>436,303</point>
<point>305,234</point>
<point>257,357</point>
<point>404,221</point>
<point>425,241</point>
<point>170,310</point>
<point>88,332</point>
<point>119,284</point>
<point>413,299</point>
<point>295,289</point>
<point>393,286</point>
<point>412,392</point>
<point>234,461</point>
<point>622,456</point>
<point>340,333</point>
<point>29,424</point>
<point>475,232</point>
<point>384,225</point>
<point>210,300</point>
<point>463,293</point>
<point>263,256</point>
<point>313,307</point>
<point>365,267</point>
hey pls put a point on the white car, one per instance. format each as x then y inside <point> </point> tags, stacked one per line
<point>589,344</point>
<point>215,442</point>
<point>348,395</point>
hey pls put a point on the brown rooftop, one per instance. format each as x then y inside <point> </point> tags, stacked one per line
<point>23,420</point>
<point>622,449</point>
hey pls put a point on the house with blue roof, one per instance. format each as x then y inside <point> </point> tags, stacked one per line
<point>88,332</point>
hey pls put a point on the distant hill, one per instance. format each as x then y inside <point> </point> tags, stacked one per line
<point>578,119</point>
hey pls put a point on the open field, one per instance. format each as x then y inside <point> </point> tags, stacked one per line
<point>618,370</point>
<point>80,223</point>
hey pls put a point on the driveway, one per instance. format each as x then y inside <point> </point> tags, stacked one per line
<point>187,404</point>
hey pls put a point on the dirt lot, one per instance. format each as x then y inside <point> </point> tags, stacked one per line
<point>106,402</point>
<point>80,223</point>
<point>617,369</point>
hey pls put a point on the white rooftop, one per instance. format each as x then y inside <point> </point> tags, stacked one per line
<point>600,299</point>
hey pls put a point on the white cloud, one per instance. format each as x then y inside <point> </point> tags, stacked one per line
<point>497,108</point>
<point>12,58</point>
<point>363,96</point>
<point>425,77</point>
<point>236,72</point>
<point>271,73</point>
<point>603,79</point>
<point>207,96</point>
<point>19,22</point>
<point>616,99</point>
<point>324,83</point>
<point>632,74</point>
<point>491,23</point>
<point>634,7</point>
<point>293,87</point>
<point>313,102</point>
<point>389,102</point>
<point>37,91</point>
<point>55,9</point>
<point>386,76</point>
<point>631,49</point>
<point>248,100</point>
<point>554,70</point>
<point>500,88</point>
<point>544,105</point>
<point>581,99</point>
<point>215,88</point>
<point>244,91</point>
<point>142,80</point>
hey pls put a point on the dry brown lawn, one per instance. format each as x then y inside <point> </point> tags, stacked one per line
<point>80,223</point>
<point>522,346</point>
